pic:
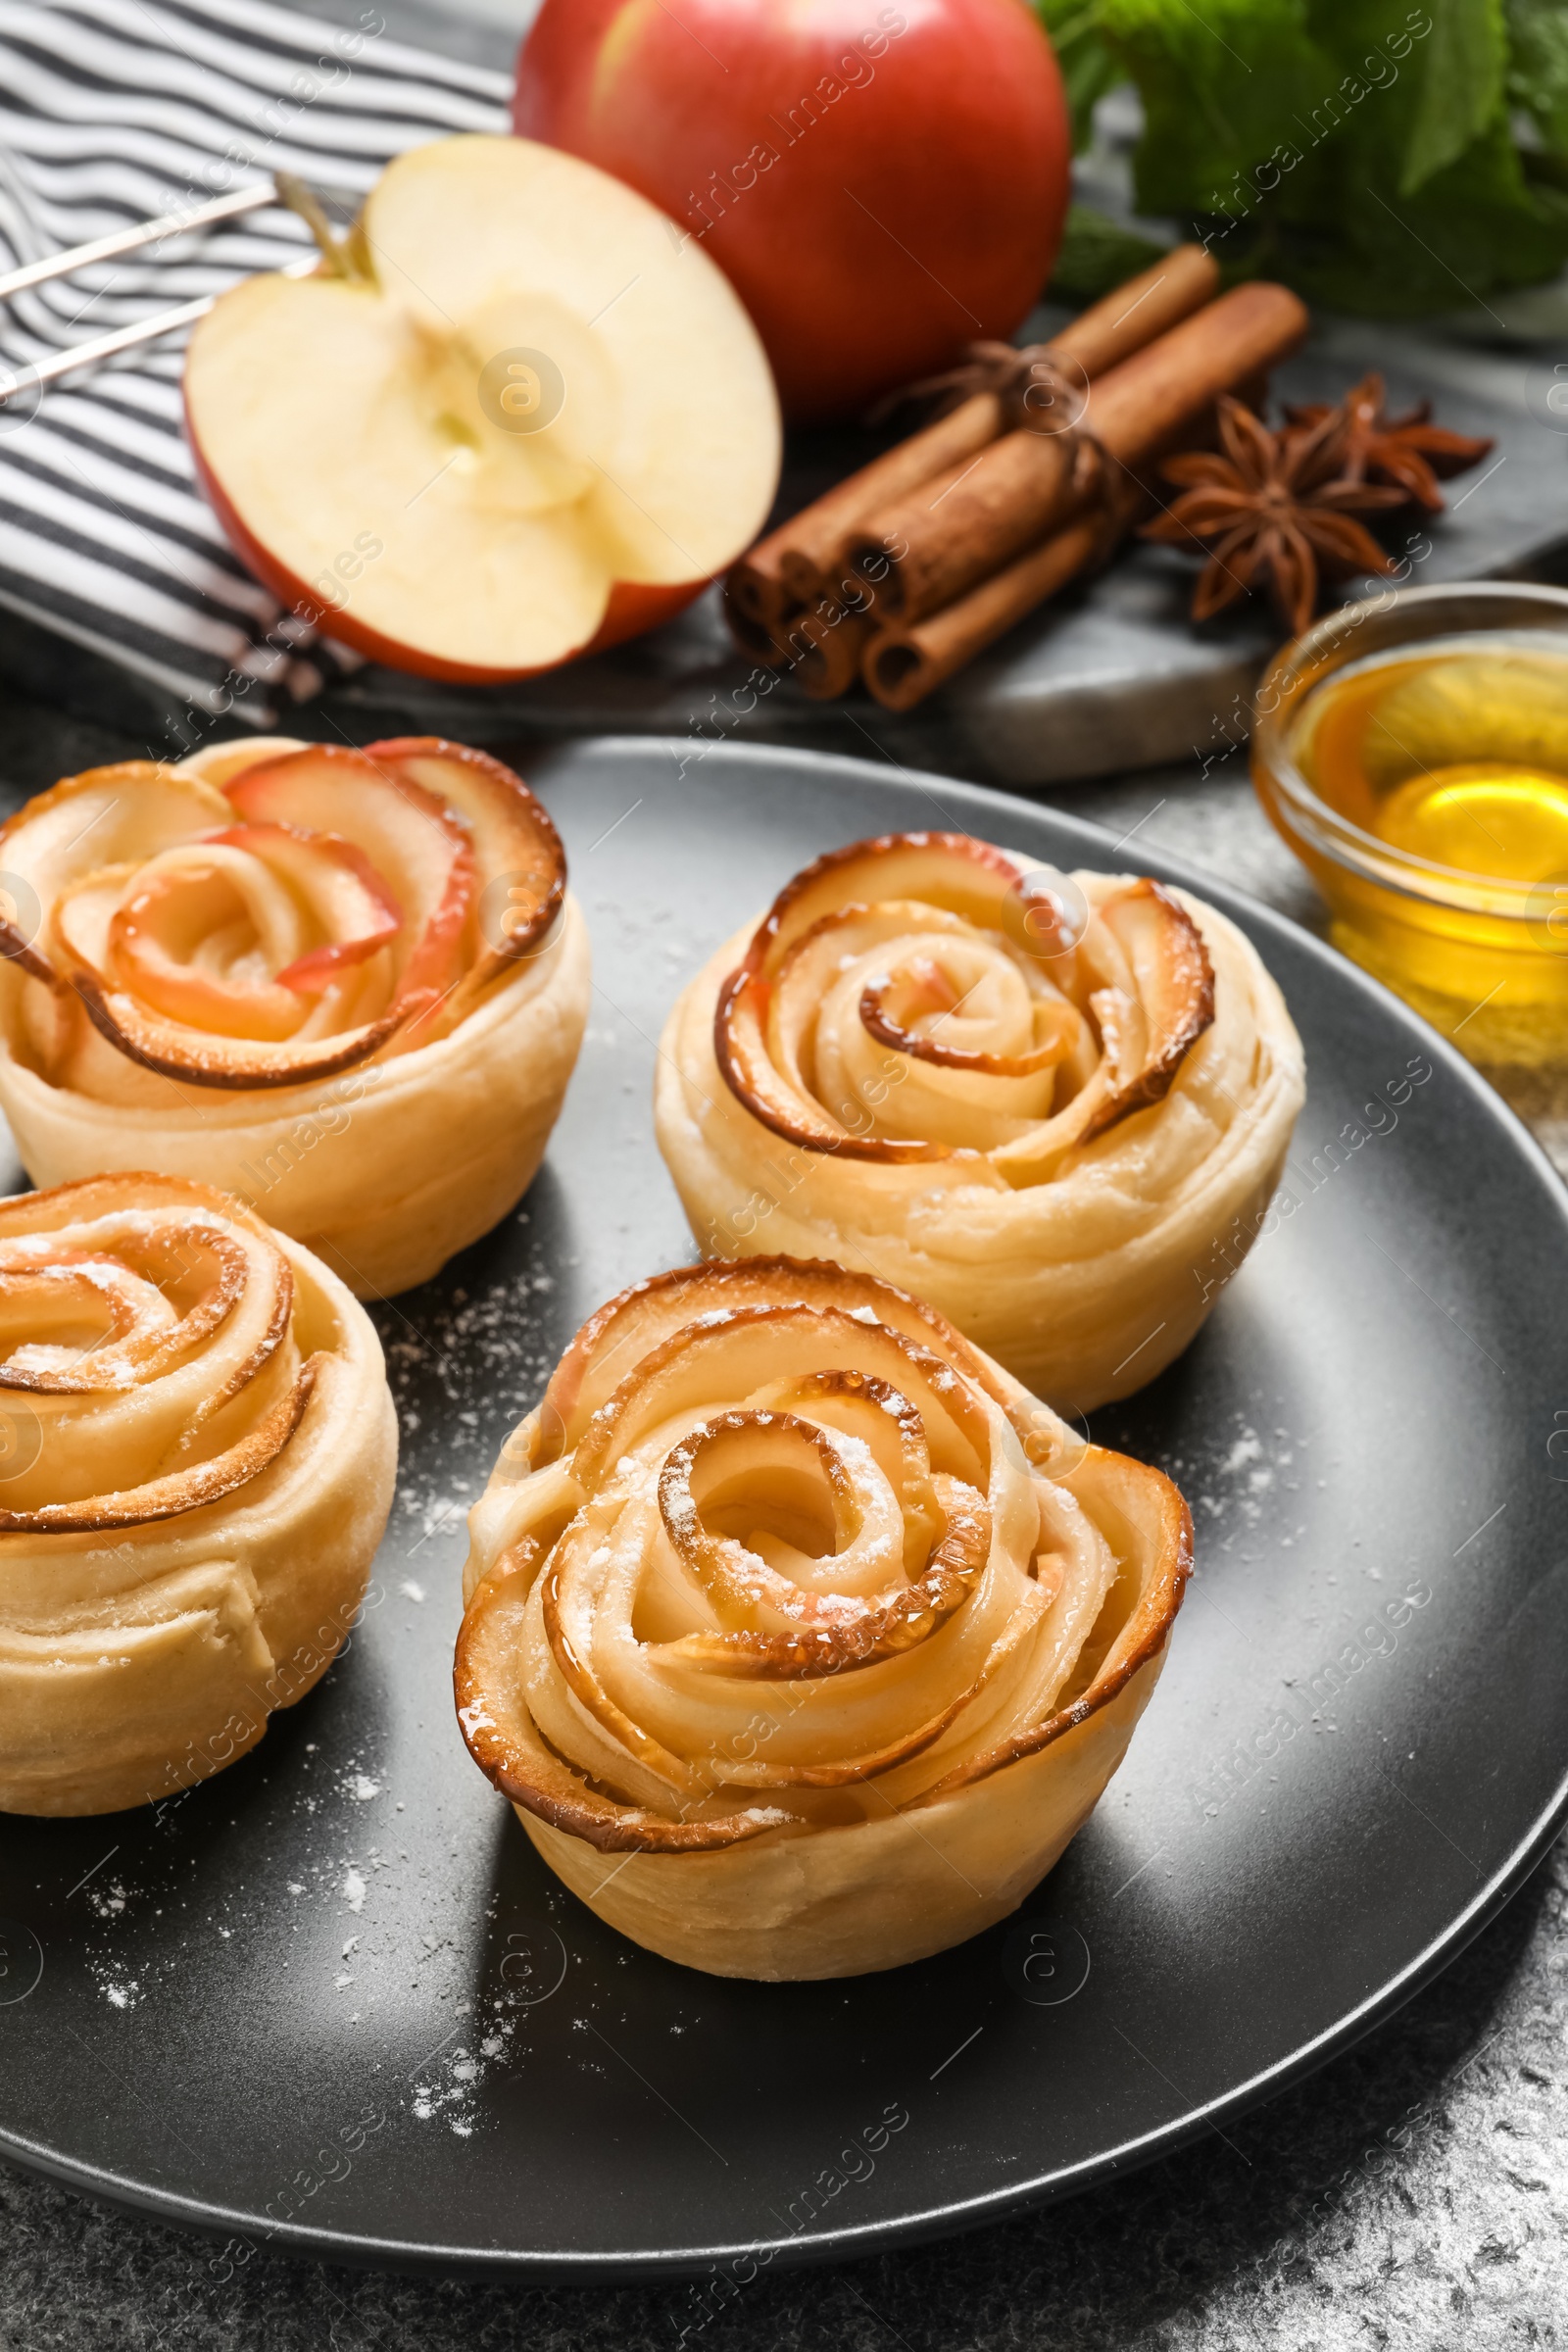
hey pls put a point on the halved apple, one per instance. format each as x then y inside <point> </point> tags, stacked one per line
<point>518,416</point>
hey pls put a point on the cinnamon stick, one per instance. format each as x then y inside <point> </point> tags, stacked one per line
<point>756,638</point>
<point>903,663</point>
<point>929,549</point>
<point>1159,393</point>
<point>793,563</point>
<point>832,641</point>
<point>786,567</point>
<point>1146,306</point>
<point>821,648</point>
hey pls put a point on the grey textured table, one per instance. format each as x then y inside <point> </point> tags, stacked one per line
<point>1415,2194</point>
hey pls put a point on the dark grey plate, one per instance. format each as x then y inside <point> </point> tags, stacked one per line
<point>332,1999</point>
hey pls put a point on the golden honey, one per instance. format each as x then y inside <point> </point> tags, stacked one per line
<point>1434,818</point>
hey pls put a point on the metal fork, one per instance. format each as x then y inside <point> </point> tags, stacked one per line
<point>36,373</point>
<point>128,240</point>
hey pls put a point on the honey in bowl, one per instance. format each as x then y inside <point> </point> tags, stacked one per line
<point>1451,757</point>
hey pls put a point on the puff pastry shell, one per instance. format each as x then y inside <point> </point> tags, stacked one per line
<point>1057,1107</point>
<point>197,1454</point>
<point>347,986</point>
<point>801,1637</point>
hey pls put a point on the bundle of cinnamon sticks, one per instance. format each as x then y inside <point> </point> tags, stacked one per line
<point>904,572</point>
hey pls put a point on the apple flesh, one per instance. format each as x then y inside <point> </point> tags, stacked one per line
<point>881,184</point>
<point>520,421</point>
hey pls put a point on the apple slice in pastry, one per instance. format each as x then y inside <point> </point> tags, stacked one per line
<point>348,985</point>
<point>1055,1105</point>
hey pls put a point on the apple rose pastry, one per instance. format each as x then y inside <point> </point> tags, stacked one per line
<point>803,1637</point>
<point>349,986</point>
<point>1055,1107</point>
<point>197,1454</point>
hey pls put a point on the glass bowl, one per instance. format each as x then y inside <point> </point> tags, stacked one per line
<point>1482,955</point>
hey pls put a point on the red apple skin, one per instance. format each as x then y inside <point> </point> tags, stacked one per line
<point>632,609</point>
<point>918,208</point>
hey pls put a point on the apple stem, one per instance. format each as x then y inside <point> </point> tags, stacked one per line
<point>340,256</point>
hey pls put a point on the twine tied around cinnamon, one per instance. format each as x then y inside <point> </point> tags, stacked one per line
<point>1044,391</point>
<point>1041,389</point>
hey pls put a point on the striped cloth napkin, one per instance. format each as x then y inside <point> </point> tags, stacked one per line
<point>111,113</point>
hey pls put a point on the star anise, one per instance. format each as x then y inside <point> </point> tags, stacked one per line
<point>1275,511</point>
<point>1410,450</point>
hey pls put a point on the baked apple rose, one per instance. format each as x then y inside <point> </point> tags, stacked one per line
<point>349,986</point>
<point>802,1638</point>
<point>197,1455</point>
<point>1055,1105</point>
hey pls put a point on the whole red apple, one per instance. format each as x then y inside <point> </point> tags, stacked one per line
<point>881,184</point>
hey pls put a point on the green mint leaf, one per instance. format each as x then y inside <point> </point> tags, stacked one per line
<point>1089,65</point>
<point>1538,67</point>
<point>1462,63</point>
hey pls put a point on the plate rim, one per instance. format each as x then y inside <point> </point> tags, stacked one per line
<point>1196,2120</point>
